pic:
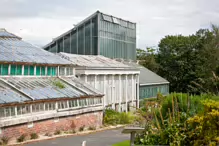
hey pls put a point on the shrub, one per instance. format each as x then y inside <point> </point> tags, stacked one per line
<point>92,128</point>
<point>22,138</point>
<point>48,134</point>
<point>57,132</point>
<point>112,117</point>
<point>182,120</point>
<point>34,136</point>
<point>58,84</point>
<point>81,128</point>
<point>4,140</point>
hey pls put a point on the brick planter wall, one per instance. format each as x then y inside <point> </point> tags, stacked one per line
<point>51,125</point>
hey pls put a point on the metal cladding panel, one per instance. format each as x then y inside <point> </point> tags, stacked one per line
<point>16,50</point>
<point>93,61</point>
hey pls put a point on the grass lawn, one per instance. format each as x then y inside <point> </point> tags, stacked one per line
<point>124,143</point>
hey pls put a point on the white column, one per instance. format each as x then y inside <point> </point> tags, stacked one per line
<point>56,105</point>
<point>73,71</point>
<point>58,71</point>
<point>95,81</point>
<point>46,71</point>
<point>112,94</point>
<point>104,90</point>
<point>126,93</point>
<point>9,69</point>
<point>15,110</point>
<point>85,78</point>
<point>22,72</point>
<point>120,92</point>
<point>35,70</point>
<point>138,91</point>
<point>65,71</point>
<point>133,89</point>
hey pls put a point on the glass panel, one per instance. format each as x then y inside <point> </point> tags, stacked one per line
<point>48,71</point>
<point>38,70</point>
<point>107,18</point>
<point>26,70</point>
<point>19,70</point>
<point>2,114</point>
<point>0,69</point>
<point>53,71</point>
<point>115,20</point>
<point>67,44</point>
<point>31,70</point>
<point>13,70</point>
<point>43,70</point>
<point>74,42</point>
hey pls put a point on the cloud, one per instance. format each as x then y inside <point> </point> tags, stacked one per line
<point>40,21</point>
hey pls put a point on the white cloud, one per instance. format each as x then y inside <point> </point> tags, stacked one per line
<point>40,21</point>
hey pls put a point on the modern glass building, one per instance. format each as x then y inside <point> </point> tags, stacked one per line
<point>99,34</point>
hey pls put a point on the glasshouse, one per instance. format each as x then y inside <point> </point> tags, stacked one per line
<point>118,82</point>
<point>34,97</point>
<point>99,34</point>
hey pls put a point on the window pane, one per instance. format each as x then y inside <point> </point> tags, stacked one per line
<point>2,114</point>
<point>26,70</point>
<point>48,71</point>
<point>107,18</point>
<point>53,71</point>
<point>43,70</point>
<point>4,69</point>
<point>31,70</point>
<point>13,70</point>
<point>38,70</point>
<point>19,70</point>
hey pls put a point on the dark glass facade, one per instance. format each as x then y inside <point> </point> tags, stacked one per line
<point>99,34</point>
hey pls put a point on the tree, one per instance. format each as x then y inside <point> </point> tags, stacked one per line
<point>187,59</point>
<point>147,58</point>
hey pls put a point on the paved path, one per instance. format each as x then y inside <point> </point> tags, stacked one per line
<point>103,138</point>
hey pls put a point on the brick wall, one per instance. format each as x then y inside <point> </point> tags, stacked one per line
<point>51,125</point>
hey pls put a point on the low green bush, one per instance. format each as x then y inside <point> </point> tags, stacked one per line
<point>180,119</point>
<point>57,132</point>
<point>34,136</point>
<point>4,140</point>
<point>113,117</point>
<point>82,128</point>
<point>22,138</point>
<point>92,128</point>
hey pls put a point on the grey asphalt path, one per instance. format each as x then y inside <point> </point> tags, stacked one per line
<point>103,138</point>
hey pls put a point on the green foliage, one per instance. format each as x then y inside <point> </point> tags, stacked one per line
<point>82,128</point>
<point>147,58</point>
<point>57,132</point>
<point>22,138</point>
<point>204,127</point>
<point>112,117</point>
<point>34,136</point>
<point>124,143</point>
<point>58,84</point>
<point>92,128</point>
<point>180,119</point>
<point>4,140</point>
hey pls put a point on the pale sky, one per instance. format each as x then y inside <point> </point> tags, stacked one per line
<point>38,21</point>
